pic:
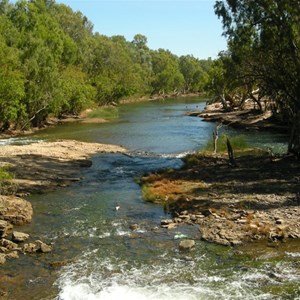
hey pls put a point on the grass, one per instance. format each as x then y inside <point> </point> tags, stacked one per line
<point>237,142</point>
<point>108,113</point>
<point>161,190</point>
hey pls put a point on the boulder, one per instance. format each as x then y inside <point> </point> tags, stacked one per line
<point>15,210</point>
<point>19,237</point>
<point>186,245</point>
<point>42,247</point>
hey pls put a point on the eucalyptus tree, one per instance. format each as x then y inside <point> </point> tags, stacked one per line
<point>11,78</point>
<point>264,40</point>
<point>191,69</point>
<point>167,77</point>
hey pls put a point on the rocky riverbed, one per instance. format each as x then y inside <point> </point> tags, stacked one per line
<point>38,168</point>
<point>257,199</point>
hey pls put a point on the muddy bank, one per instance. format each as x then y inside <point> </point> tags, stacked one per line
<point>248,118</point>
<point>258,199</point>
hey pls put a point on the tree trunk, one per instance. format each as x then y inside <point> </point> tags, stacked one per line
<point>215,138</point>
<point>230,153</point>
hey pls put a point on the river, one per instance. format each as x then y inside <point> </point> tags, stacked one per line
<point>103,259</point>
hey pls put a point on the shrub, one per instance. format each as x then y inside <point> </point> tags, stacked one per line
<point>7,186</point>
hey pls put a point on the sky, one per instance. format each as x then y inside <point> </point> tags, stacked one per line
<point>181,26</point>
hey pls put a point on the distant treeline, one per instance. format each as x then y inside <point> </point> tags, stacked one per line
<point>52,63</point>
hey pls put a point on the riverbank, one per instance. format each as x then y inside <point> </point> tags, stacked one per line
<point>39,168</point>
<point>258,199</point>
<point>247,118</point>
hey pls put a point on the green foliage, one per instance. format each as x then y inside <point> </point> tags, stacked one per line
<point>263,46</point>
<point>7,186</point>
<point>52,63</point>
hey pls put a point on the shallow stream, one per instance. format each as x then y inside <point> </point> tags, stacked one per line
<point>103,259</point>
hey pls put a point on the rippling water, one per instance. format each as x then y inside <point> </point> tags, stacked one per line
<point>104,259</point>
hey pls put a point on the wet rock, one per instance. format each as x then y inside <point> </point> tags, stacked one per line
<point>59,264</point>
<point>166,221</point>
<point>169,226</point>
<point>177,220</point>
<point>3,250</point>
<point>2,259</point>
<point>236,243</point>
<point>186,245</point>
<point>134,227</point>
<point>42,247</point>
<point>29,248</point>
<point>13,254</point>
<point>8,244</point>
<point>5,228</point>
<point>19,237</point>
<point>193,218</point>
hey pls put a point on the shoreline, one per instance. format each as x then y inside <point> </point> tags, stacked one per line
<point>258,199</point>
<point>248,119</point>
<point>39,168</point>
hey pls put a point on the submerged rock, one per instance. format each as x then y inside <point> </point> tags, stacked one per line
<point>134,227</point>
<point>186,245</point>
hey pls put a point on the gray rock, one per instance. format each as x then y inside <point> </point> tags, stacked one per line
<point>186,245</point>
<point>19,237</point>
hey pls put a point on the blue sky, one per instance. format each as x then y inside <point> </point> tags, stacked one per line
<point>182,26</point>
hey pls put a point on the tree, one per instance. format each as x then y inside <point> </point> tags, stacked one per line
<point>264,41</point>
<point>167,77</point>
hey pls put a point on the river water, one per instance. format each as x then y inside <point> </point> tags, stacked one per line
<point>103,259</point>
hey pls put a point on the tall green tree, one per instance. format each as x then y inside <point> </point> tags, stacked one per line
<point>264,40</point>
<point>167,77</point>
